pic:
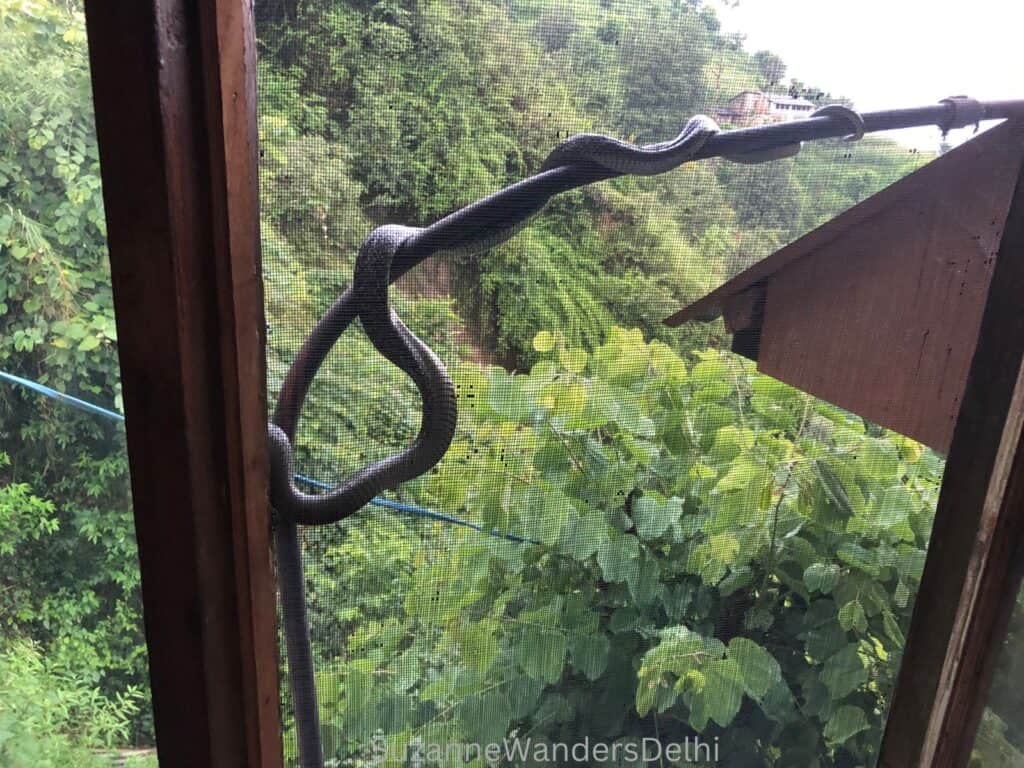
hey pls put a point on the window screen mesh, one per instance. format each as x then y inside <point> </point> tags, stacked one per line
<point>998,740</point>
<point>713,560</point>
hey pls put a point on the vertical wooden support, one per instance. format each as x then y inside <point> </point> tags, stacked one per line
<point>174,88</point>
<point>967,589</point>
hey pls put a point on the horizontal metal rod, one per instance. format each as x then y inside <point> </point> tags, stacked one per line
<point>493,212</point>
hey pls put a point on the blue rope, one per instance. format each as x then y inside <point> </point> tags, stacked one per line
<point>409,509</point>
<point>61,397</point>
<point>396,506</point>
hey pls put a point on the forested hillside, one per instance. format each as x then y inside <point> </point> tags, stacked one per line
<point>419,108</point>
<point>713,553</point>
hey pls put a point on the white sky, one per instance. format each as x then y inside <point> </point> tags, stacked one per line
<point>892,53</point>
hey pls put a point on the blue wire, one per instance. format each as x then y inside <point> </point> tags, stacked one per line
<point>60,396</point>
<point>397,506</point>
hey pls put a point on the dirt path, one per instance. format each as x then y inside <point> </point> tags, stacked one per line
<point>432,280</point>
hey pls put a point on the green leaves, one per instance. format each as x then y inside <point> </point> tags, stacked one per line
<point>852,617</point>
<point>618,556</point>
<point>821,577</point>
<point>590,655</point>
<point>507,397</point>
<point>844,672</point>
<point>437,629</point>
<point>711,559</point>
<point>720,696</point>
<point>544,341</point>
<point>711,677</point>
<point>846,723</point>
<point>758,668</point>
<point>89,343</point>
<point>486,716</point>
<point>541,653</point>
<point>653,515</point>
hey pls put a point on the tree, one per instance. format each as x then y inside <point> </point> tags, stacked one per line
<point>772,67</point>
<point>68,566</point>
<point>663,57</point>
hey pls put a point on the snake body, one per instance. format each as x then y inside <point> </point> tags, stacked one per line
<point>391,337</point>
<point>624,158</point>
<point>367,299</point>
<point>386,253</point>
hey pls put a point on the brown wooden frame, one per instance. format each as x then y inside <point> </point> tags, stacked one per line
<point>970,578</point>
<point>174,89</point>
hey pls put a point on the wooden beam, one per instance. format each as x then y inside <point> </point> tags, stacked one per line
<point>883,321</point>
<point>859,216</point>
<point>174,85</point>
<point>967,587</point>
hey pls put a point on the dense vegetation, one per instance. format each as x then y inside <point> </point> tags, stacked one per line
<point>715,553</point>
<point>70,619</point>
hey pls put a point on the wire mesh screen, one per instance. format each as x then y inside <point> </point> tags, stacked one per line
<point>637,548</point>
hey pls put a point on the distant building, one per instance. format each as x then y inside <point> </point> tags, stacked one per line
<point>756,108</point>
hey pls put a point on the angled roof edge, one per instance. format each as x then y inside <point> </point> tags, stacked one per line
<point>710,306</point>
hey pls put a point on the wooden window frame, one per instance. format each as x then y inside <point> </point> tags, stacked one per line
<point>972,570</point>
<point>174,88</point>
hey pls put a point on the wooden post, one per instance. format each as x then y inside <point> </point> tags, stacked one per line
<point>968,586</point>
<point>174,88</point>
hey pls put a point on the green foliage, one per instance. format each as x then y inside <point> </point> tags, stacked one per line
<point>23,516</point>
<point>51,719</point>
<point>720,555</point>
<point>772,67</point>
<point>438,104</point>
<point>68,567</point>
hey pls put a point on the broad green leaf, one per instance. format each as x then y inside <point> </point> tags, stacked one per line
<point>544,341</point>
<point>759,669</point>
<point>486,716</point>
<point>739,475</point>
<point>644,585</point>
<point>478,644</point>
<point>877,459</point>
<point>709,371</point>
<point>721,696</point>
<point>846,723</point>
<point>589,654</point>
<point>653,516</point>
<point>646,693</point>
<point>618,557</point>
<point>892,628</point>
<point>738,578</point>
<point>89,343</point>
<point>574,360</point>
<point>730,442</point>
<point>902,595</point>
<point>844,672</point>
<point>554,510</point>
<point>852,617</point>
<point>582,535</point>
<point>857,556</point>
<point>833,489</point>
<point>541,654</point>
<point>507,397</point>
<point>523,692</point>
<point>821,577</point>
